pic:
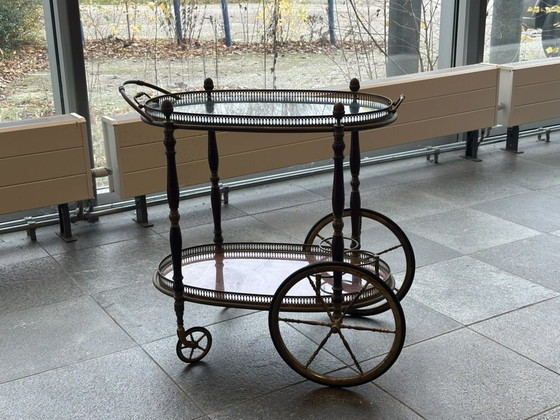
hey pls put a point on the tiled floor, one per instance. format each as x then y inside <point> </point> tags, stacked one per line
<point>84,334</point>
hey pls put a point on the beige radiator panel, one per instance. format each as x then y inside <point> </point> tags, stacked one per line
<point>529,92</point>
<point>44,162</point>
<point>41,166</point>
<point>44,193</point>
<point>437,104</point>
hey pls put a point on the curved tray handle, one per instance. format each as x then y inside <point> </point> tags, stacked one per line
<point>395,105</point>
<point>134,102</point>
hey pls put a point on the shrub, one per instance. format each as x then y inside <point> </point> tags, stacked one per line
<point>18,22</point>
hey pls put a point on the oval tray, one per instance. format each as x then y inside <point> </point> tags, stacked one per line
<point>246,275</point>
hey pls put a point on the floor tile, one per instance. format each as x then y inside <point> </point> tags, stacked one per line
<point>466,189</point>
<point>108,229</point>
<point>533,259</point>
<point>533,209</point>
<point>242,229</point>
<point>296,222</point>
<point>467,230</point>
<point>462,375</point>
<point>115,265</point>
<point>423,322</point>
<point>34,283</point>
<point>532,331</point>
<point>468,290</point>
<point>147,315</point>
<point>527,173</point>
<point>241,365</point>
<point>271,197</point>
<point>308,401</point>
<point>196,211</point>
<point>118,386</point>
<point>427,252</point>
<point>18,247</point>
<point>40,339</point>
<point>553,414</point>
<point>401,202</point>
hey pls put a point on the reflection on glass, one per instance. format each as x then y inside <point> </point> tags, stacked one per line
<point>522,30</point>
<point>269,109</point>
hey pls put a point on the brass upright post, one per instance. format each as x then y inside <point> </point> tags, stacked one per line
<point>175,237</point>
<point>338,204</point>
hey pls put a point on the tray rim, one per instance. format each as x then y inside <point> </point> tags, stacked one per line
<point>244,300</point>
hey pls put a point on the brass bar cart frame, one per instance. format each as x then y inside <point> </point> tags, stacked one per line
<point>330,285</point>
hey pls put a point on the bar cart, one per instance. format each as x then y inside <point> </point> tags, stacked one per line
<point>319,293</point>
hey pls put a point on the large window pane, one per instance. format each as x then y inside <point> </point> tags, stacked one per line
<point>274,44</point>
<point>522,30</point>
<point>25,82</point>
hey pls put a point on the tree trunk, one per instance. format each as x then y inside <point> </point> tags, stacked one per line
<point>404,36</point>
<point>506,31</point>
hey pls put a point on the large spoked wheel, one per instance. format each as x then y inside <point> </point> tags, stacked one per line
<point>312,331</point>
<point>380,236</point>
<point>551,34</point>
<point>198,343</point>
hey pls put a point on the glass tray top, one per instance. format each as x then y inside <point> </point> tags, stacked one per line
<point>265,109</point>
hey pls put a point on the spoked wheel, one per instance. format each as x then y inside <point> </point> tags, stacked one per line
<point>312,331</point>
<point>551,34</point>
<point>199,341</point>
<point>384,239</point>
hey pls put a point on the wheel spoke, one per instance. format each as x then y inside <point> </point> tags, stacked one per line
<point>392,248</point>
<point>306,322</point>
<point>350,352</point>
<point>354,300</point>
<point>370,329</point>
<point>316,352</point>
<point>319,297</point>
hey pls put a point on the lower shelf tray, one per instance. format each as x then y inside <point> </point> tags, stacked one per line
<point>246,275</point>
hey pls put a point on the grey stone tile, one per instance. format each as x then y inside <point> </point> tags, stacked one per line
<point>553,414</point>
<point>117,264</point>
<point>467,230</point>
<point>297,221</point>
<point>18,247</point>
<point>147,315</point>
<point>532,331</point>
<point>427,252</point>
<point>467,189</point>
<point>271,197</point>
<point>193,211</point>
<point>34,283</point>
<point>123,385</point>
<point>423,322</point>
<point>310,401</point>
<point>243,229</point>
<point>462,375</point>
<point>535,259</point>
<point>554,191</point>
<point>57,335</point>
<point>533,209</point>
<point>241,365</point>
<point>251,229</point>
<point>526,173</point>
<point>401,202</point>
<point>540,151</point>
<point>468,290</point>
<point>322,184</point>
<point>109,229</point>
<point>415,169</point>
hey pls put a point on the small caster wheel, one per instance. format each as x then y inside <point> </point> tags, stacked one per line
<point>197,346</point>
